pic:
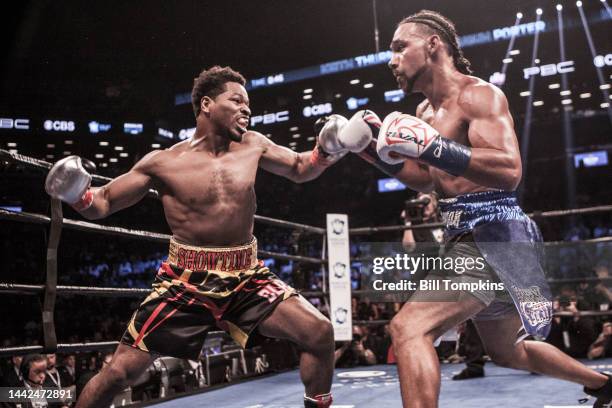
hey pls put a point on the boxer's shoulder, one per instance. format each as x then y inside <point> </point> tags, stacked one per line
<point>479,98</point>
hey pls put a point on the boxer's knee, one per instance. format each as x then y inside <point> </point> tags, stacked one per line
<point>404,331</point>
<point>116,377</point>
<point>322,339</point>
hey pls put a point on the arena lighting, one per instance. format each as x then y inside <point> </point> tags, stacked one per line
<point>11,144</point>
<point>559,7</point>
<point>307,91</point>
<point>99,156</point>
<point>565,93</point>
<point>539,12</point>
<point>354,81</point>
<point>604,105</point>
<point>13,151</point>
<point>123,154</point>
<point>338,96</point>
<point>604,86</point>
<point>310,138</point>
<point>156,145</point>
<point>525,93</point>
<point>293,144</point>
<point>67,153</point>
<point>119,148</point>
<point>68,142</point>
<point>113,160</point>
<point>526,133</point>
<point>103,143</point>
<point>368,85</point>
<point>296,136</point>
<point>501,76</point>
<point>538,103</point>
<point>293,128</point>
<point>50,146</point>
<point>568,133</point>
<point>566,101</point>
<point>585,95</point>
<point>579,3</point>
<point>50,156</point>
<point>103,164</point>
<point>307,96</point>
<point>600,75</point>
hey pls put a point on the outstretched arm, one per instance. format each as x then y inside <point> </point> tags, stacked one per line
<point>123,191</point>
<point>297,167</point>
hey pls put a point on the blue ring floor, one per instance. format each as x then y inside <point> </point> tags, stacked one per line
<point>378,386</point>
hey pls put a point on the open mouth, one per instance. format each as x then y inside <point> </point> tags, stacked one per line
<point>243,123</point>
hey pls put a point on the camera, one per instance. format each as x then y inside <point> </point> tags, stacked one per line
<point>564,301</point>
<point>415,209</point>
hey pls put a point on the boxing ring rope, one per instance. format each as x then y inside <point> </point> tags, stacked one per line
<point>535,215</point>
<point>50,289</point>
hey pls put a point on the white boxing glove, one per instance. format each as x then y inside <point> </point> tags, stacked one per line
<point>403,136</point>
<point>328,135</point>
<point>359,131</point>
<point>69,181</point>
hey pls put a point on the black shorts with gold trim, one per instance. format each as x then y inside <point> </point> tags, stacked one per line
<point>200,289</point>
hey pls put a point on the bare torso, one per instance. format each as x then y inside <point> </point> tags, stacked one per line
<point>208,199</point>
<point>452,122</point>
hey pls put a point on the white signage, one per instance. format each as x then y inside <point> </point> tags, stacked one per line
<point>562,67</point>
<point>165,133</point>
<point>317,110</point>
<point>59,125</point>
<point>9,123</point>
<point>601,61</point>
<point>269,118</point>
<point>339,276</point>
<point>186,133</point>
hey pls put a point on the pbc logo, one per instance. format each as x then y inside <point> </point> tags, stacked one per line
<point>270,118</point>
<point>19,124</point>
<point>549,69</point>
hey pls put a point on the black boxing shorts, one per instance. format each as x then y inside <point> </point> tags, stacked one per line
<point>199,289</point>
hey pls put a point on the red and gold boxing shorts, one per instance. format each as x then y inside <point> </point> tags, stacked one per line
<point>199,289</point>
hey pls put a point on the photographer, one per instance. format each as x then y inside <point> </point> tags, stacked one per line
<point>421,210</point>
<point>571,334</point>
<point>602,347</point>
<point>356,352</point>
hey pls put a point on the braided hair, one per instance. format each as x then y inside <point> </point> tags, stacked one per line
<point>442,26</point>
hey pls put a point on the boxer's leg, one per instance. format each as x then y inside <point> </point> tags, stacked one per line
<point>499,338</point>
<point>295,319</point>
<point>127,365</point>
<point>414,330</point>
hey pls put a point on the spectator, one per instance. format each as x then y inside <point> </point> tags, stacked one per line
<point>602,347</point>
<point>571,334</point>
<point>67,370</point>
<point>11,377</point>
<point>354,353</point>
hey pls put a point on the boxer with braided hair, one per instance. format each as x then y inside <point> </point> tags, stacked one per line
<point>436,23</point>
